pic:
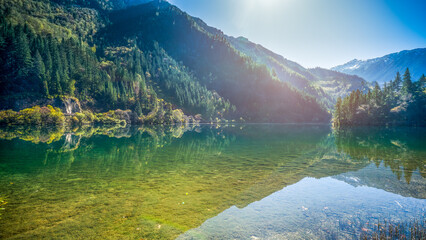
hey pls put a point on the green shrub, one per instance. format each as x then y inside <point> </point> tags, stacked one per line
<point>89,116</point>
<point>109,118</point>
<point>8,117</point>
<point>74,120</point>
<point>33,116</point>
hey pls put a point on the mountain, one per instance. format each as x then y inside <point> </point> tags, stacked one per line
<point>323,84</point>
<point>107,5</point>
<point>213,60</point>
<point>283,69</point>
<point>383,69</point>
<point>371,176</point>
<point>150,58</point>
<point>338,84</point>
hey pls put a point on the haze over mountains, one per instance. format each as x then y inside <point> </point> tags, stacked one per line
<point>325,85</point>
<point>150,57</point>
<point>383,69</point>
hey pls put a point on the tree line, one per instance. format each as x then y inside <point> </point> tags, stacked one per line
<point>251,87</point>
<point>134,58</point>
<point>36,66</point>
<point>399,102</point>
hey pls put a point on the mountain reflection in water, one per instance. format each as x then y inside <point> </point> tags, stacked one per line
<point>209,181</point>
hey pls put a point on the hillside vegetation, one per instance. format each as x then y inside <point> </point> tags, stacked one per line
<point>399,102</point>
<point>322,84</point>
<point>150,58</point>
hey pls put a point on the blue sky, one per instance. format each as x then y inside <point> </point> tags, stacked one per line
<point>321,33</point>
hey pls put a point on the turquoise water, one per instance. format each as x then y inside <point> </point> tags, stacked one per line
<point>259,181</point>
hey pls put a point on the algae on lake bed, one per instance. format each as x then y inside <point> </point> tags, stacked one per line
<point>158,183</point>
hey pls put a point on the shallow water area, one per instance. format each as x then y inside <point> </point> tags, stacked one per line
<point>255,181</point>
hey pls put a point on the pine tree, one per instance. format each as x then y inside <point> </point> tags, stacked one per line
<point>2,43</point>
<point>385,106</point>
<point>422,82</point>
<point>407,85</point>
<point>22,53</point>
<point>377,94</point>
<point>138,108</point>
<point>338,112</point>
<point>397,82</point>
<point>56,88</point>
<point>47,57</point>
<point>39,73</point>
<point>357,98</point>
<point>39,68</point>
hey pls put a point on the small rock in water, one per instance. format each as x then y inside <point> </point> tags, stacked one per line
<point>254,238</point>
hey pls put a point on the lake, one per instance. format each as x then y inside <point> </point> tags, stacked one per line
<point>254,181</point>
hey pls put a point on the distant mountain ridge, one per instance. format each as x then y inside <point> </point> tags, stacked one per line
<point>323,84</point>
<point>383,69</point>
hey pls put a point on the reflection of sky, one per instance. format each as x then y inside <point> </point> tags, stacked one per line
<point>312,208</point>
<point>318,33</point>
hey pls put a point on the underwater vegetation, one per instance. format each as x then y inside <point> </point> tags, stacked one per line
<point>158,182</point>
<point>415,229</point>
<point>2,203</point>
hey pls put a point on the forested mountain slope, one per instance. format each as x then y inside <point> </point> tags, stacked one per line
<point>323,84</point>
<point>215,63</point>
<point>134,58</point>
<point>339,84</point>
<point>401,101</point>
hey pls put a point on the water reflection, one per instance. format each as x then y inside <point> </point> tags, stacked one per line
<point>157,183</point>
<point>311,209</point>
<point>401,149</point>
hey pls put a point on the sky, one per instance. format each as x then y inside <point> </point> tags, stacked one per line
<point>318,33</point>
